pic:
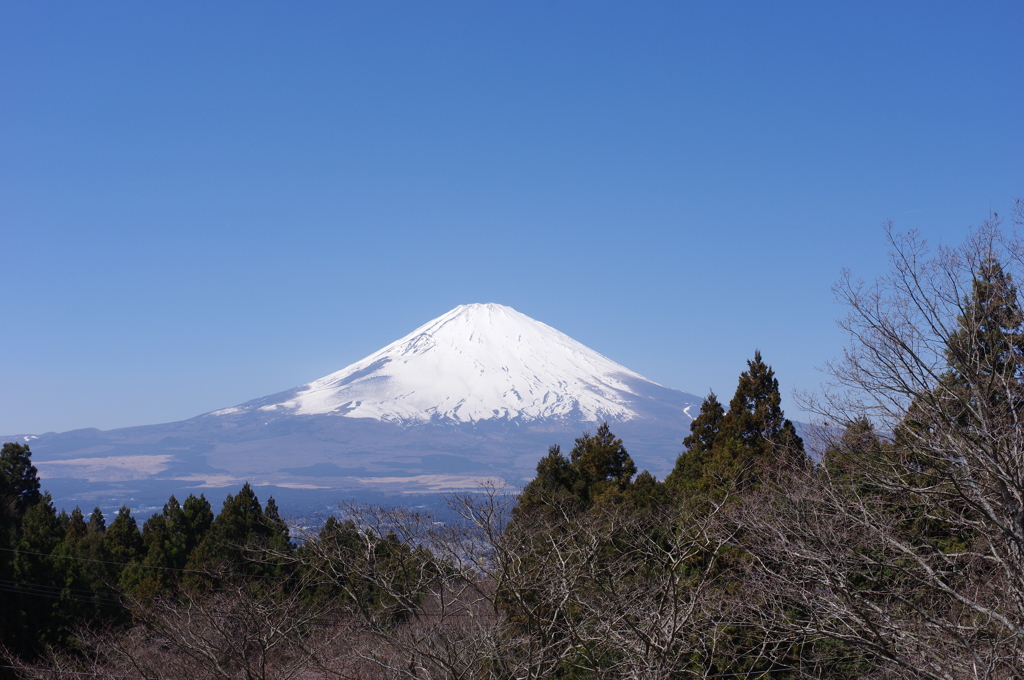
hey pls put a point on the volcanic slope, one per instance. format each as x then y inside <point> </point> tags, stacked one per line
<point>477,362</point>
<point>479,392</point>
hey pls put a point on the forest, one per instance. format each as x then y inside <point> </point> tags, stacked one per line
<point>886,540</point>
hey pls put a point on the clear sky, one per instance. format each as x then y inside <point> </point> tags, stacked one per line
<point>206,202</point>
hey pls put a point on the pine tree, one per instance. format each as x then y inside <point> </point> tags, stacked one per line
<point>755,414</point>
<point>19,480</point>
<point>197,518</point>
<point>241,525</point>
<point>164,551</point>
<point>986,352</point>
<point>601,463</point>
<point>241,518</point>
<point>124,542</point>
<point>331,554</point>
<point>85,569</point>
<point>984,379</point>
<point>164,538</point>
<point>76,528</point>
<point>30,621</point>
<point>97,524</point>
<point>689,468</point>
<point>646,493</point>
<point>733,450</point>
<point>19,494</point>
<point>554,482</point>
<point>990,337</point>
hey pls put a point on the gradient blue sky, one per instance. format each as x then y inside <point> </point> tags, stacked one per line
<point>204,203</point>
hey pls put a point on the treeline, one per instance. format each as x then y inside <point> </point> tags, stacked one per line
<point>58,570</point>
<point>895,551</point>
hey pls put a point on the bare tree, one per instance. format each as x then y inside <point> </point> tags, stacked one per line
<point>907,545</point>
<point>251,629</point>
<point>608,591</point>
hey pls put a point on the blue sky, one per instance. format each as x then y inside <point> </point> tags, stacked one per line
<point>204,203</point>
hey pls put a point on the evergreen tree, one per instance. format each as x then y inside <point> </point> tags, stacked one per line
<point>84,569</point>
<point>19,493</point>
<point>76,527</point>
<point>240,519</point>
<point>327,560</point>
<point>704,428</point>
<point>241,525</point>
<point>981,390</point>
<point>989,339</point>
<point>984,380</point>
<point>689,467</point>
<point>164,539</point>
<point>598,467</point>
<point>646,493</point>
<point>33,613</point>
<point>556,477</point>
<point>197,517</point>
<point>859,437</point>
<point>755,414</point>
<point>735,448</point>
<point>97,524</point>
<point>124,542</point>
<point>601,463</point>
<point>164,547</point>
<point>19,480</point>
<point>985,355</point>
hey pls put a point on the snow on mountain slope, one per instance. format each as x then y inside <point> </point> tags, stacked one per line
<point>477,362</point>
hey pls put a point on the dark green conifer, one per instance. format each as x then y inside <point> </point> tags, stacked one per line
<point>554,482</point>
<point>164,551</point>
<point>756,435</point>
<point>689,467</point>
<point>704,428</point>
<point>30,623</point>
<point>330,557</point>
<point>859,445</point>
<point>42,529</point>
<point>750,438</point>
<point>601,464</point>
<point>755,413</point>
<point>19,480</point>
<point>990,338</point>
<point>124,542</point>
<point>197,517</point>
<point>598,469</point>
<point>164,537</point>
<point>241,527</point>
<point>241,517</point>
<point>83,565</point>
<point>76,528</point>
<point>97,525</point>
<point>19,494</point>
<point>646,492</point>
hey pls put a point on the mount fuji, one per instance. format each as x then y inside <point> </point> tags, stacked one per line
<point>477,393</point>
<point>477,362</point>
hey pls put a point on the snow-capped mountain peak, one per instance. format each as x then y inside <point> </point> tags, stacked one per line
<point>477,362</point>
